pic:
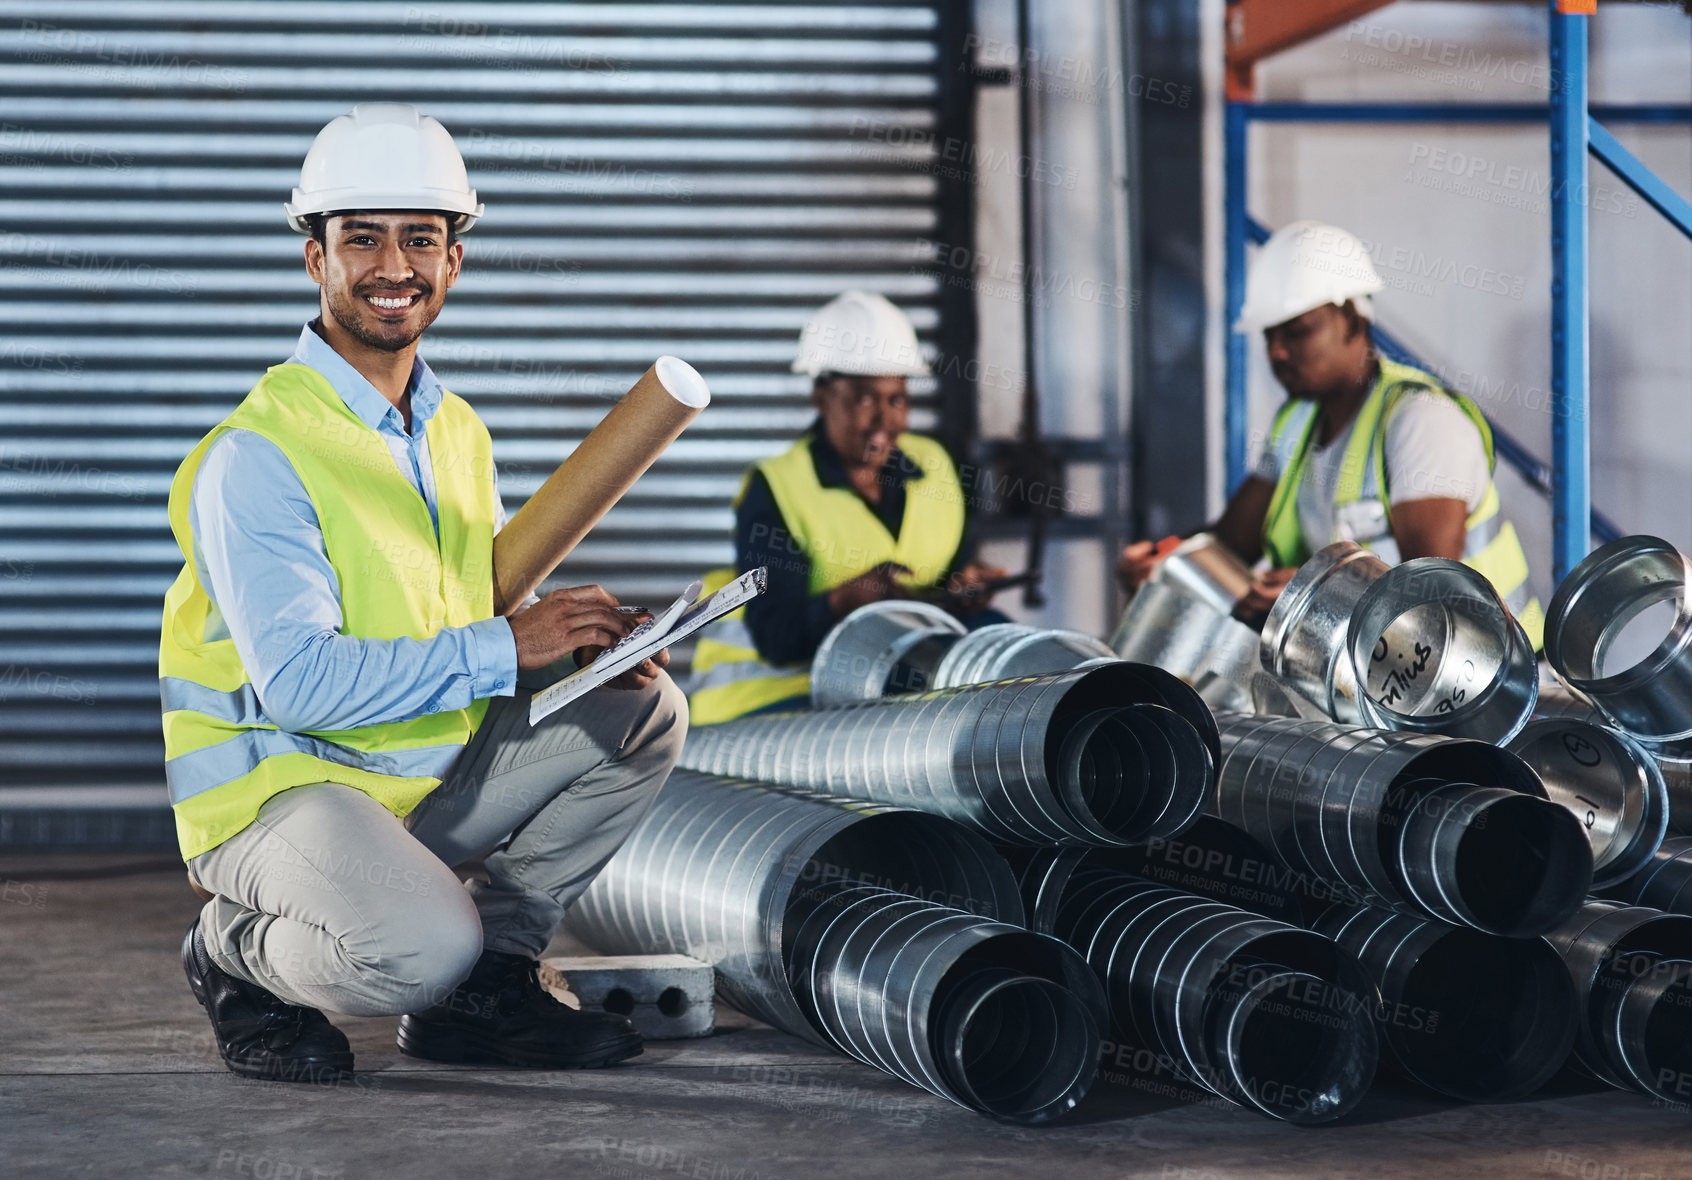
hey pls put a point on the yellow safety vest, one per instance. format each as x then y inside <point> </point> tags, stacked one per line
<point>224,756</point>
<point>1362,498</point>
<point>841,537</point>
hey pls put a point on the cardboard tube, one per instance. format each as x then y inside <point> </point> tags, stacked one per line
<point>606,464</point>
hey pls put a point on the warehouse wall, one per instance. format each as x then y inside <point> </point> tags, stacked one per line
<point>1457,218</point>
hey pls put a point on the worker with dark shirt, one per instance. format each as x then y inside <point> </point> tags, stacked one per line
<point>858,510</point>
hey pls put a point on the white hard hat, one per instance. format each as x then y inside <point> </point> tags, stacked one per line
<point>1303,266</point>
<point>384,155</point>
<point>862,335</point>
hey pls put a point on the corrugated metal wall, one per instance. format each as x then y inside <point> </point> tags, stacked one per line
<point>686,178</point>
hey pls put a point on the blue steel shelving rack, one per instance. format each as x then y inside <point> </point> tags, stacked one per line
<point>1577,130</point>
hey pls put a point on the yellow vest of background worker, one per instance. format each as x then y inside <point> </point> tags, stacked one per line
<point>224,758</point>
<point>841,538</point>
<point>1362,497</point>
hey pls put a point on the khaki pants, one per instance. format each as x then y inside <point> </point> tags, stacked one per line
<point>329,901</point>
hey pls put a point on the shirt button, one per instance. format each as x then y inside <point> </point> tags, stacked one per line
<point>498,684</point>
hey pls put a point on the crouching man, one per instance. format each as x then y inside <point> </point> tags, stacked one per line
<point>343,727</point>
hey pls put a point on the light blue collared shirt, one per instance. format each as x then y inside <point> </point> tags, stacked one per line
<point>258,551</point>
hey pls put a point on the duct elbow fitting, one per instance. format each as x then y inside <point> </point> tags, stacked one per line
<point>1592,609</point>
<point>885,647</point>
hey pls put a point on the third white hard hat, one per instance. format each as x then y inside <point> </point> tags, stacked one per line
<point>384,155</point>
<point>1303,266</point>
<point>860,334</point>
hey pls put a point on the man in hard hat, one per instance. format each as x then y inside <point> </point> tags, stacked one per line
<point>341,715</point>
<point>858,510</point>
<point>1364,449</point>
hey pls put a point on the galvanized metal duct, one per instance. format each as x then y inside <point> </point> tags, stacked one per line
<point>995,1018</point>
<point>1476,1017</point>
<point>1632,970</point>
<point>741,874</point>
<point>885,647</point>
<point>1665,882</point>
<point>1425,646</point>
<point>1209,857</point>
<point>1275,1018</point>
<point>1116,754</point>
<point>1003,650</point>
<point>1591,610</point>
<point>1206,570</point>
<point>1456,829</point>
<point>1167,626</point>
<point>1674,759</point>
<point>1609,782</point>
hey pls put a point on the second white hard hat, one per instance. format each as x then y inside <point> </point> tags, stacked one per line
<point>384,155</point>
<point>1303,266</point>
<point>860,334</point>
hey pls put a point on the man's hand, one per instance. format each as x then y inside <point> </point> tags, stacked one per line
<point>1265,589</point>
<point>1141,559</point>
<point>873,585</point>
<point>565,620</point>
<point>639,676</point>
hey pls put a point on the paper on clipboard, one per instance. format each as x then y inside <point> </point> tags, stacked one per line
<point>676,622</point>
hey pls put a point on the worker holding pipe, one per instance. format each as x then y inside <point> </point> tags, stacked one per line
<point>858,510</point>
<point>342,719</point>
<point>1364,449</point>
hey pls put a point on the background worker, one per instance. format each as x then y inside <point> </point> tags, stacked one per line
<point>341,713</point>
<point>1364,449</point>
<point>857,511</point>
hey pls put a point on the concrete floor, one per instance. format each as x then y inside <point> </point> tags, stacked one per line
<point>109,1070</point>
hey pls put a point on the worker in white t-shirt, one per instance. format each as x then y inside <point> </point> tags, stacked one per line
<point>1364,449</point>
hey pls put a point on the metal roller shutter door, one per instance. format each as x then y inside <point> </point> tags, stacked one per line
<point>687,178</point>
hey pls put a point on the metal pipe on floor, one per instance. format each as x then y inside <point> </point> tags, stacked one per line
<point>761,882</point>
<point>1470,1015</point>
<point>1665,881</point>
<point>1674,759</point>
<point>1456,829</point>
<point>1167,626</point>
<point>1116,754</point>
<point>1425,646</point>
<point>1003,650</point>
<point>891,646</point>
<point>1594,608</point>
<point>1632,971</point>
<point>1270,1016</point>
<point>1609,782</point>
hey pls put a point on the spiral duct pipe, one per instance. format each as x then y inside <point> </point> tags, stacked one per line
<point>1475,1017</point>
<point>1459,830</point>
<point>1665,882</point>
<point>987,1014</point>
<point>891,646</point>
<point>1272,1017</point>
<point>1167,626</point>
<point>1115,754</point>
<point>901,927</point>
<point>1425,646</point>
<point>1632,971</point>
<point>1609,782</point>
<point>1593,610</point>
<point>1003,650</point>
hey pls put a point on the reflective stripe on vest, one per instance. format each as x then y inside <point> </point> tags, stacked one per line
<point>1362,501</point>
<point>841,538</point>
<point>224,756</point>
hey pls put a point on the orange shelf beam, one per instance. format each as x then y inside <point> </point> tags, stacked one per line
<point>1259,28</point>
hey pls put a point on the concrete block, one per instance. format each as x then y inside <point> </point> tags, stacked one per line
<point>667,997</point>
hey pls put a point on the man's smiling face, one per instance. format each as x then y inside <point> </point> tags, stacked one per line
<point>384,275</point>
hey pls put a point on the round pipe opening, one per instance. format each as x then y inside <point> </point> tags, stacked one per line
<point>1298,1047</point>
<point>1016,1047</point>
<point>1482,1019</point>
<point>1654,1030</point>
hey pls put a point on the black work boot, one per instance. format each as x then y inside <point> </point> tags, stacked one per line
<point>501,1015</point>
<point>259,1035</point>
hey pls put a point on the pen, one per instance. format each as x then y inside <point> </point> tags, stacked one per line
<point>633,610</point>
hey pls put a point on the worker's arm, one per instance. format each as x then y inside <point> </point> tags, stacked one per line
<point>1438,472</point>
<point>260,555</point>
